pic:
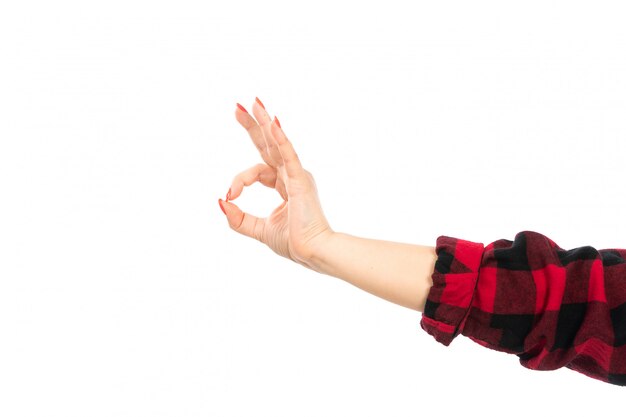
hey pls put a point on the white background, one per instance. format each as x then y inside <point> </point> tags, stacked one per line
<point>123,292</point>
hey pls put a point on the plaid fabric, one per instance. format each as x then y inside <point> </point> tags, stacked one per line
<point>549,306</point>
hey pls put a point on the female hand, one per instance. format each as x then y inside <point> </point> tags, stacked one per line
<point>297,226</point>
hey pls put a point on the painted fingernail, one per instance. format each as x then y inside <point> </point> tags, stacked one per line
<point>259,101</point>
<point>277,122</point>
<point>241,108</point>
<point>228,195</point>
<point>219,200</point>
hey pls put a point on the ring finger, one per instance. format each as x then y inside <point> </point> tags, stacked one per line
<point>265,122</point>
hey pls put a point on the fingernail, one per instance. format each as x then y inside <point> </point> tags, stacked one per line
<point>219,200</point>
<point>277,122</point>
<point>241,108</point>
<point>259,101</point>
<point>228,195</point>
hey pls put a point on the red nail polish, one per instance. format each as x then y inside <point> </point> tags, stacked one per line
<point>219,200</point>
<point>277,122</point>
<point>241,108</point>
<point>228,195</point>
<point>259,101</point>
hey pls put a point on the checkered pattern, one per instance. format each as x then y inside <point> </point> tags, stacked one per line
<point>549,306</point>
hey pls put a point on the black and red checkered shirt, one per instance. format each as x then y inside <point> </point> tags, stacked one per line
<point>550,306</point>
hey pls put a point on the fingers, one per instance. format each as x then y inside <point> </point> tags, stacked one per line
<point>288,154</point>
<point>244,223</point>
<point>256,134</point>
<point>265,122</point>
<point>262,173</point>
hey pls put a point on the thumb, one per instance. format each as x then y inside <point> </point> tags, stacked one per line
<point>244,223</point>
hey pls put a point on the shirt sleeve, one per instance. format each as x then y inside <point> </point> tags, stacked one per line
<point>550,306</point>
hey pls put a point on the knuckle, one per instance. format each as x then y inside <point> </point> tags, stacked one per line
<point>257,233</point>
<point>238,227</point>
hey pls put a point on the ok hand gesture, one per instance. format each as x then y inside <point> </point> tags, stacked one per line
<point>297,226</point>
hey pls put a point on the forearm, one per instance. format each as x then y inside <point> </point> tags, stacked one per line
<point>398,272</point>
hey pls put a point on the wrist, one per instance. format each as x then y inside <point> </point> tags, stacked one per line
<point>398,272</point>
<point>317,260</point>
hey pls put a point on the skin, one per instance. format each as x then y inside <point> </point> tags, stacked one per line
<point>298,230</point>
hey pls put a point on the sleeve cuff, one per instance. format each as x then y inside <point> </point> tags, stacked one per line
<point>454,282</point>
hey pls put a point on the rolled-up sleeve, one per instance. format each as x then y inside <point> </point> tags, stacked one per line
<point>549,306</point>
<point>454,282</point>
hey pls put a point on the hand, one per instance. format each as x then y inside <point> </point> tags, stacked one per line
<point>296,227</point>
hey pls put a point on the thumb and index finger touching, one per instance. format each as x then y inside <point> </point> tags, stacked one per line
<point>242,222</point>
<point>278,153</point>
